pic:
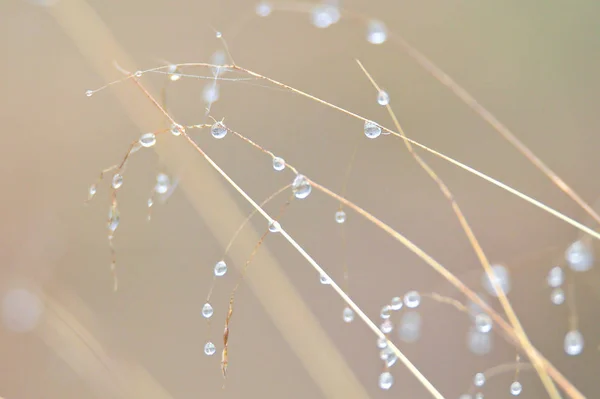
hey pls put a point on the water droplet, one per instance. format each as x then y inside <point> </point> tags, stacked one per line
<point>113,218</point>
<point>483,323</point>
<point>385,312</point>
<point>278,164</point>
<point>174,74</point>
<point>410,326</point>
<point>376,32</point>
<point>324,15</point>
<point>372,130</point>
<point>218,130</point>
<point>218,35</point>
<point>117,181</point>
<point>479,343</point>
<point>500,275</point>
<point>465,396</point>
<point>207,310</point>
<point>557,296</point>
<point>324,279</point>
<point>263,9</point>
<point>391,360</point>
<point>385,352</point>
<point>396,303</point>
<point>301,187</point>
<point>580,256</point>
<point>220,268</point>
<point>150,202</point>
<point>340,216</point>
<point>412,299</point>
<point>556,277</point>
<point>92,192</point>
<point>386,380</point>
<point>387,326</point>
<point>162,183</point>
<point>89,93</point>
<point>382,343</point>
<point>573,343</point>
<point>348,315</point>
<point>209,349</point>
<point>274,226</point>
<point>210,93</point>
<point>516,388</point>
<point>138,74</point>
<point>148,140</point>
<point>383,98</point>
<point>177,129</point>
<point>479,379</point>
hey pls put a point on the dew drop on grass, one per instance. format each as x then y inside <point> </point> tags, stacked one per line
<point>218,130</point>
<point>324,279</point>
<point>220,268</point>
<point>557,296</point>
<point>385,312</point>
<point>207,310</point>
<point>301,187</point>
<point>348,315</point>
<point>386,380</point>
<point>113,219</point>
<point>324,15</point>
<point>117,181</point>
<point>483,323</point>
<point>174,74</point>
<point>479,379</point>
<point>573,343</point>
<point>209,349</point>
<point>412,299</point>
<point>556,277</point>
<point>579,256</point>
<point>372,130</point>
<point>274,226</point>
<point>278,164</point>
<point>396,303</point>
<point>516,388</point>
<point>92,191</point>
<point>381,343</point>
<point>148,140</point>
<point>89,93</point>
<point>162,183</point>
<point>383,98</point>
<point>340,216</point>
<point>387,326</point>
<point>176,129</point>
<point>376,32</point>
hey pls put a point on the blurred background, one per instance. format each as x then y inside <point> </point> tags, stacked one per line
<point>66,334</point>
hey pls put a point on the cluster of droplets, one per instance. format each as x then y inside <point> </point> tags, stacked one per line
<point>556,278</point>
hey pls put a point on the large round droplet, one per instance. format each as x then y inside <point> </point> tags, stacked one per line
<point>483,323</point>
<point>376,32</point>
<point>207,310</point>
<point>372,130</point>
<point>412,299</point>
<point>348,315</point>
<point>516,388</point>
<point>218,130</point>
<point>209,349</point>
<point>410,326</point>
<point>340,216</point>
<point>383,98</point>
<point>117,181</point>
<point>556,277</point>
<point>148,140</point>
<point>220,268</point>
<point>500,276</point>
<point>278,164</point>
<point>573,343</point>
<point>386,380</point>
<point>301,187</point>
<point>580,256</point>
<point>479,379</point>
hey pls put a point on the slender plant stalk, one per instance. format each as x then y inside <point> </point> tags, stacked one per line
<point>512,317</point>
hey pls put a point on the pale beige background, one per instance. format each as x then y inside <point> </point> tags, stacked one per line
<point>533,63</point>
